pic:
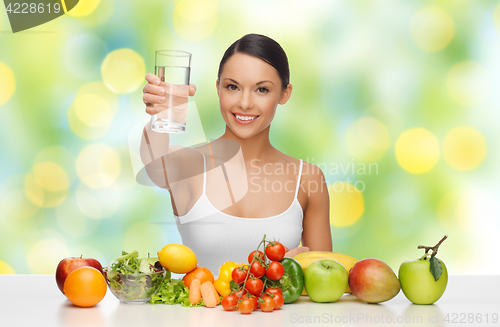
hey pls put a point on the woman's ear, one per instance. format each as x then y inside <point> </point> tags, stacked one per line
<point>286,94</point>
<point>217,86</point>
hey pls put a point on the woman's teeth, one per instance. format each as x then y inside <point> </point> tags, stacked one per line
<point>246,117</point>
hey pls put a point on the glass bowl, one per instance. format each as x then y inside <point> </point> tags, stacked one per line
<point>134,288</point>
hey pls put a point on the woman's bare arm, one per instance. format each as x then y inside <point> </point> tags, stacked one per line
<point>316,234</point>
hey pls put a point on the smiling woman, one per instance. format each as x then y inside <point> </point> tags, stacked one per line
<point>216,214</point>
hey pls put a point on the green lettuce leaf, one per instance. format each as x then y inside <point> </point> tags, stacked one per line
<point>173,291</point>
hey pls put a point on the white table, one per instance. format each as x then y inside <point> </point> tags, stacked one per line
<point>35,300</point>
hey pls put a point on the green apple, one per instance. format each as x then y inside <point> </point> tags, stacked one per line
<point>418,283</point>
<point>423,281</point>
<point>325,280</point>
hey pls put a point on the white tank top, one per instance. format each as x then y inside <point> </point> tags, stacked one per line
<point>217,237</point>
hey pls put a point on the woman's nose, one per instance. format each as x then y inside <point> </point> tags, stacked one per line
<point>245,101</point>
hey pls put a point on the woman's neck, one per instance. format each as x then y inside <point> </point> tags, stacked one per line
<point>255,147</point>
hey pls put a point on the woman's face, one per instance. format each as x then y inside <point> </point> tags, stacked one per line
<point>249,91</point>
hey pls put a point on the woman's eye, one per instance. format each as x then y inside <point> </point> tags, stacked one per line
<point>232,87</point>
<point>262,90</point>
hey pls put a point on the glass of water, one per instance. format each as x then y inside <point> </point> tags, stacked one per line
<point>173,68</point>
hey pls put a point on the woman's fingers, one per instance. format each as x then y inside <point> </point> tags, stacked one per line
<point>153,79</point>
<point>153,99</point>
<point>295,251</point>
<point>154,89</point>
<point>192,90</point>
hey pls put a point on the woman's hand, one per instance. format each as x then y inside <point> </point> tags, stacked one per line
<point>156,94</point>
<point>295,251</point>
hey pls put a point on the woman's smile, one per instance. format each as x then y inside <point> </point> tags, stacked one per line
<point>244,119</point>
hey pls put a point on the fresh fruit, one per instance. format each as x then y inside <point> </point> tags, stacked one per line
<point>268,304</point>
<point>278,301</point>
<point>201,273</point>
<point>306,258</point>
<point>257,254</point>
<point>229,302</point>
<point>246,306</point>
<point>325,280</point>
<point>373,281</point>
<point>239,274</point>
<point>424,281</point>
<point>85,287</point>
<point>275,270</point>
<point>177,258</point>
<point>273,290</point>
<point>254,286</point>
<point>275,251</point>
<point>257,269</point>
<point>68,265</point>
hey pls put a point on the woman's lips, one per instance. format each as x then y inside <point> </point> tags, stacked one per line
<point>244,122</point>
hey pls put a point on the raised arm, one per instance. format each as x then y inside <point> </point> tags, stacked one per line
<point>155,146</point>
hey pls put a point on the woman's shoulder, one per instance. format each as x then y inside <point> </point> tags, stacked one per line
<point>309,170</point>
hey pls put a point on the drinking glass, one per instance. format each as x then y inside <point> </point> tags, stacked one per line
<point>173,68</point>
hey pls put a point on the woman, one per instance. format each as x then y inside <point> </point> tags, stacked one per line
<point>285,198</point>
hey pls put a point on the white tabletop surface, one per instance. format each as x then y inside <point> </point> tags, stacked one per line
<point>35,300</point>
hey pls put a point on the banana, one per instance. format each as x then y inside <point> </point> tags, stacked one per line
<point>306,258</point>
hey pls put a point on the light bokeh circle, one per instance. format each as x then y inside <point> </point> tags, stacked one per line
<point>44,256</point>
<point>92,111</point>
<point>84,8</point>
<point>367,139</point>
<point>98,203</point>
<point>468,83</point>
<point>464,148</point>
<point>432,29</point>
<point>7,83</point>
<point>15,198</point>
<point>417,150</point>
<point>346,204</point>
<point>51,176</point>
<point>98,165</point>
<point>123,70</point>
<point>195,20</point>
<point>5,269</point>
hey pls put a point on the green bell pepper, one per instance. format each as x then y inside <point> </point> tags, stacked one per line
<point>292,282</point>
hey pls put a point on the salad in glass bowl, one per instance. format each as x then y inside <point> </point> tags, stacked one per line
<point>134,280</point>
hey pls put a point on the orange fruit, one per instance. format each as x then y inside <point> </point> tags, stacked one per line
<point>85,287</point>
<point>201,273</point>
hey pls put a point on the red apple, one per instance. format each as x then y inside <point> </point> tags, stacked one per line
<point>67,265</point>
<point>373,281</point>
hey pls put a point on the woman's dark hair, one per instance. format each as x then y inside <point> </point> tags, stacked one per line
<point>261,47</point>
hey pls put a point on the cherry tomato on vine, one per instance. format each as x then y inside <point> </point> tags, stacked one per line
<point>257,269</point>
<point>268,304</point>
<point>238,275</point>
<point>275,270</point>
<point>246,306</point>
<point>275,251</point>
<point>229,302</point>
<point>278,301</point>
<point>258,254</point>
<point>274,290</point>
<point>254,286</point>
<point>254,300</point>
<point>238,293</point>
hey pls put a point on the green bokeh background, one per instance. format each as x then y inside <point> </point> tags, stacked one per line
<point>348,60</point>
